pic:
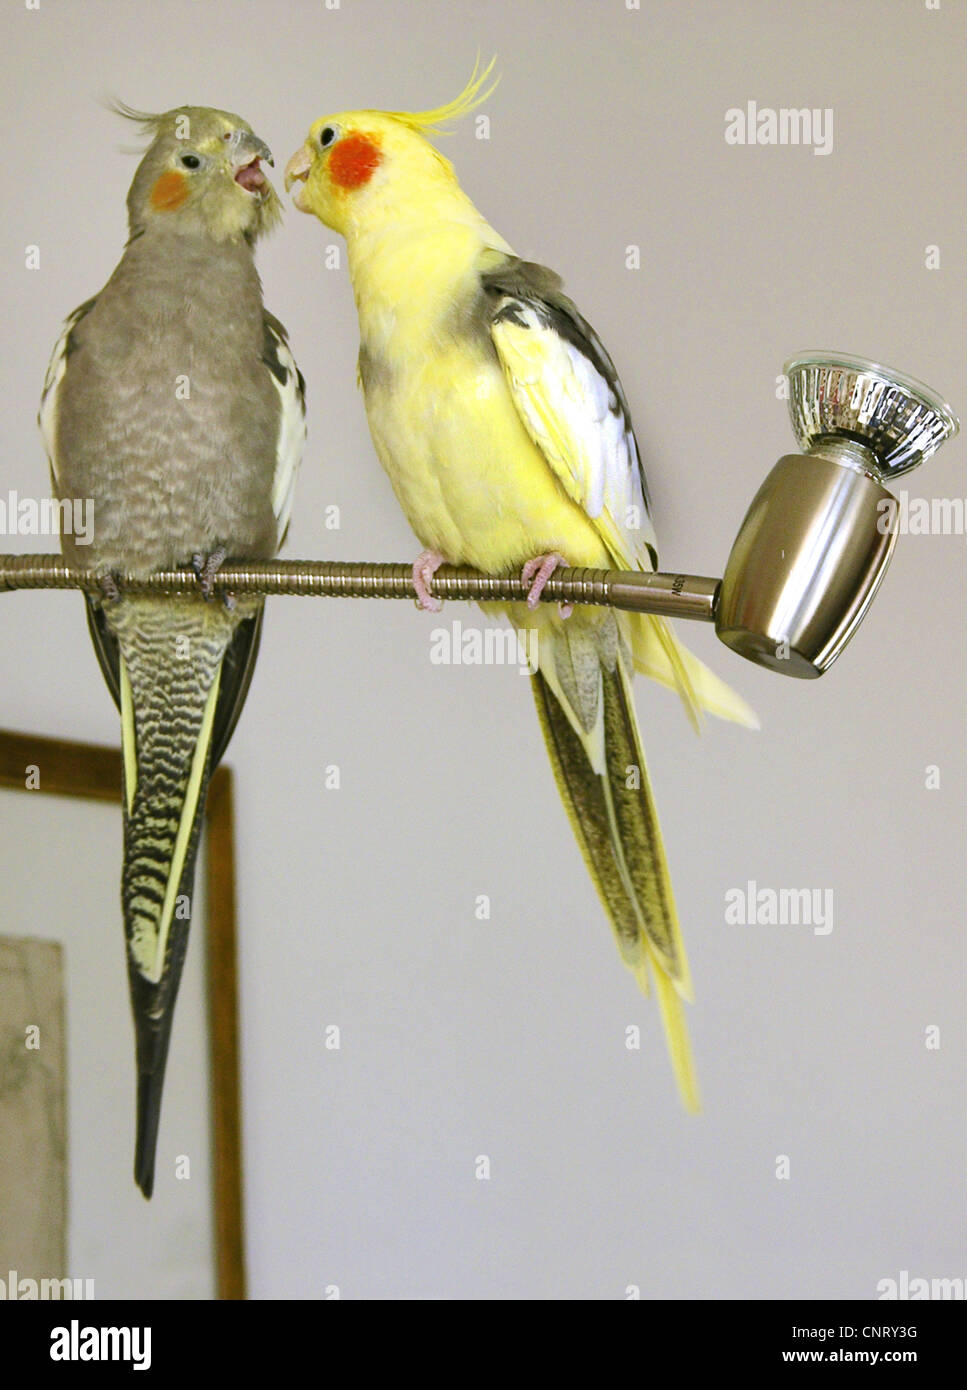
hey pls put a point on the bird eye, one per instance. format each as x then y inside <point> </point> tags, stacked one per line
<point>190,161</point>
<point>327,135</point>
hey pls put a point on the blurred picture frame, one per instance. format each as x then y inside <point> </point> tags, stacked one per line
<point>58,897</point>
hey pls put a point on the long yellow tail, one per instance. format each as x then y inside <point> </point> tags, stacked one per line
<point>596,753</point>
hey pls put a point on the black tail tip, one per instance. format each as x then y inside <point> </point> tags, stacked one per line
<point>148,1117</point>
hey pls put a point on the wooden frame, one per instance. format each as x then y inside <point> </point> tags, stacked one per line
<point>94,771</point>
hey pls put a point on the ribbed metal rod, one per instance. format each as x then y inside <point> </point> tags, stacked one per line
<point>669,595</point>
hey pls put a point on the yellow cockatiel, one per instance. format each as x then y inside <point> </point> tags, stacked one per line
<point>502,424</point>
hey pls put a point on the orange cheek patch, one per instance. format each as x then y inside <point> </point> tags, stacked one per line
<point>169,192</point>
<point>353,161</point>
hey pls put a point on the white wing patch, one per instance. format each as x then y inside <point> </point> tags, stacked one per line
<point>47,416</point>
<point>292,434</point>
<point>576,418</point>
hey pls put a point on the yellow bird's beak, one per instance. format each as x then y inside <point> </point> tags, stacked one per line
<point>297,171</point>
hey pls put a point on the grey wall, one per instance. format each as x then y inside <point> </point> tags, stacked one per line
<point>506,1037</point>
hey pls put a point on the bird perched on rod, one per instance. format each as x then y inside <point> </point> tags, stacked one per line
<point>502,424</point>
<point>173,406</point>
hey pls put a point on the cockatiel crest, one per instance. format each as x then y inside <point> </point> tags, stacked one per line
<point>354,159</point>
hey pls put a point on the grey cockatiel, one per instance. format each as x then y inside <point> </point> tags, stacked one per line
<point>173,404</point>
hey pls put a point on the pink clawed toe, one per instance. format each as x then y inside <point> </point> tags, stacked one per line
<point>425,567</point>
<point>537,572</point>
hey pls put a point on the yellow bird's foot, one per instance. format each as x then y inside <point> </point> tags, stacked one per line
<point>425,567</point>
<point>537,572</point>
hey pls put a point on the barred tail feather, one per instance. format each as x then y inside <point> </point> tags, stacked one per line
<point>153,1007</point>
<point>171,660</point>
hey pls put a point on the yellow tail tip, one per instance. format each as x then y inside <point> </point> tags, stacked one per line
<point>676,1032</point>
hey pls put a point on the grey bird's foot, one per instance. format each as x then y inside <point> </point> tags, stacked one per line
<point>110,591</point>
<point>425,567</point>
<point>537,572</point>
<point>206,567</point>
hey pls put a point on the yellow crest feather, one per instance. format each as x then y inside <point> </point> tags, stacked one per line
<point>434,122</point>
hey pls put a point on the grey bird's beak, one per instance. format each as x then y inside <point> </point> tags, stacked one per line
<point>243,147</point>
<point>245,150</point>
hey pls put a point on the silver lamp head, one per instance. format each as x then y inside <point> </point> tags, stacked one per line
<point>817,539</point>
